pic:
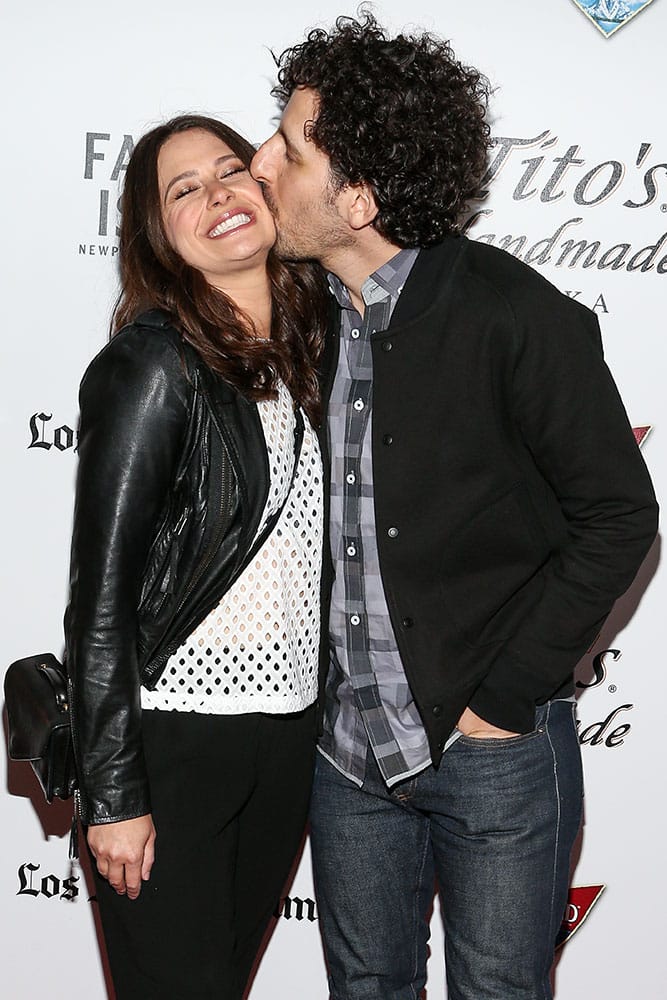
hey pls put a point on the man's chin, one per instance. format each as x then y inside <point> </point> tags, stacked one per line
<point>286,250</point>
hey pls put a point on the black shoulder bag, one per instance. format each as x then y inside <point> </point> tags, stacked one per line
<point>38,715</point>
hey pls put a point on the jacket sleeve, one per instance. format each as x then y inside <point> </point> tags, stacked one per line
<point>573,422</point>
<point>133,403</point>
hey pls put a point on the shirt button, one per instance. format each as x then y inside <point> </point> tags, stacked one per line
<point>350,478</point>
<point>387,345</point>
<point>354,619</point>
<point>387,439</point>
<point>393,532</point>
<point>437,710</point>
<point>407,622</point>
<point>358,404</point>
<point>354,334</point>
<point>351,550</point>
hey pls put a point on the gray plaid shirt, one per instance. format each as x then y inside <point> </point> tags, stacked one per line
<point>367,700</point>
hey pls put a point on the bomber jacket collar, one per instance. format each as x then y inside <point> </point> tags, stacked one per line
<point>429,285</point>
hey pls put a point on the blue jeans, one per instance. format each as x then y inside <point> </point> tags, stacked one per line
<point>495,824</point>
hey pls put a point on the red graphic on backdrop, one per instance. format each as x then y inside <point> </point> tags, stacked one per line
<point>641,433</point>
<point>580,901</point>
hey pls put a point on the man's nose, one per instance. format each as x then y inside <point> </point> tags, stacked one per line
<point>260,166</point>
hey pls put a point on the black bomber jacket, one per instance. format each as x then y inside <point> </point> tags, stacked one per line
<point>172,481</point>
<point>512,505</point>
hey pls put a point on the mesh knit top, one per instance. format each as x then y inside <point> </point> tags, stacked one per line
<point>257,651</point>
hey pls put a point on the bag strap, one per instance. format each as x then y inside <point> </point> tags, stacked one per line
<point>58,684</point>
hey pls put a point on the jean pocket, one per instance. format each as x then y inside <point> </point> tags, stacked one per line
<point>492,742</point>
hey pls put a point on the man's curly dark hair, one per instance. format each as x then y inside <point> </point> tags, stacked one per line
<point>402,114</point>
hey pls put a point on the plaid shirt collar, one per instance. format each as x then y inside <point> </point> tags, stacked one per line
<point>386,282</point>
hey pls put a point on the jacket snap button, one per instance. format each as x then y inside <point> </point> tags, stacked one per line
<point>387,345</point>
<point>407,623</point>
<point>437,710</point>
<point>393,532</point>
<point>387,439</point>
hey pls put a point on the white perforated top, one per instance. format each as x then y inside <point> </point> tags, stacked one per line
<point>257,651</point>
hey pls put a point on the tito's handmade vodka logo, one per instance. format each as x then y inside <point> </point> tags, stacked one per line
<point>559,176</point>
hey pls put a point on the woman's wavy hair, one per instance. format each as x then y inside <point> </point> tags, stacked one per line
<point>401,114</point>
<point>154,275</point>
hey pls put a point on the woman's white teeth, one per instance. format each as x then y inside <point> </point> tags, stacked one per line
<point>233,223</point>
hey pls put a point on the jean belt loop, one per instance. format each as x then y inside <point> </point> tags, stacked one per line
<point>542,714</point>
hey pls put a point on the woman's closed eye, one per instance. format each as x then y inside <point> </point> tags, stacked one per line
<point>234,170</point>
<point>225,175</point>
<point>186,190</point>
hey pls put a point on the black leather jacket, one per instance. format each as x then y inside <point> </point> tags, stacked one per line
<point>172,482</point>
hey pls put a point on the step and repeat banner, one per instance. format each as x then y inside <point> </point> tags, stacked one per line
<point>577,185</point>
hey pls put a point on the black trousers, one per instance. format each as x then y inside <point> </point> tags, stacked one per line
<point>230,797</point>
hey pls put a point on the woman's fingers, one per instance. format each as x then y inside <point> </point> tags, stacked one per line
<point>149,858</point>
<point>132,879</point>
<point>124,852</point>
<point>116,877</point>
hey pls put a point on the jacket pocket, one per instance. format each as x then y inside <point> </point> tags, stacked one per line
<point>493,567</point>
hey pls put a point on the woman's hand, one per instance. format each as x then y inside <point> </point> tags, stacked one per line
<point>124,852</point>
<point>471,725</point>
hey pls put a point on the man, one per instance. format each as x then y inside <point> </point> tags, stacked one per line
<point>487,506</point>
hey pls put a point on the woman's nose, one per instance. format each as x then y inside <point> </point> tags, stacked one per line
<point>219,193</point>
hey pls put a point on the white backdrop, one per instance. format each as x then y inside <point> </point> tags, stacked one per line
<point>588,163</point>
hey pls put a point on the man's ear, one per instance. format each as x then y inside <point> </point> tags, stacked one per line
<point>359,206</point>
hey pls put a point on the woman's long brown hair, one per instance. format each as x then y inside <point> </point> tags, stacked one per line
<point>153,276</point>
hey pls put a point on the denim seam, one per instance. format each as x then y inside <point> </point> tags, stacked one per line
<point>416,911</point>
<point>546,993</point>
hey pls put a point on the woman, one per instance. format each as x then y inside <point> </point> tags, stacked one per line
<point>192,630</point>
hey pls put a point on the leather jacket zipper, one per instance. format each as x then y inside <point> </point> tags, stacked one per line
<point>171,557</point>
<point>225,478</point>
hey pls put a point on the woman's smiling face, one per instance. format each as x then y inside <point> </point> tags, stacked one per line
<point>213,211</point>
